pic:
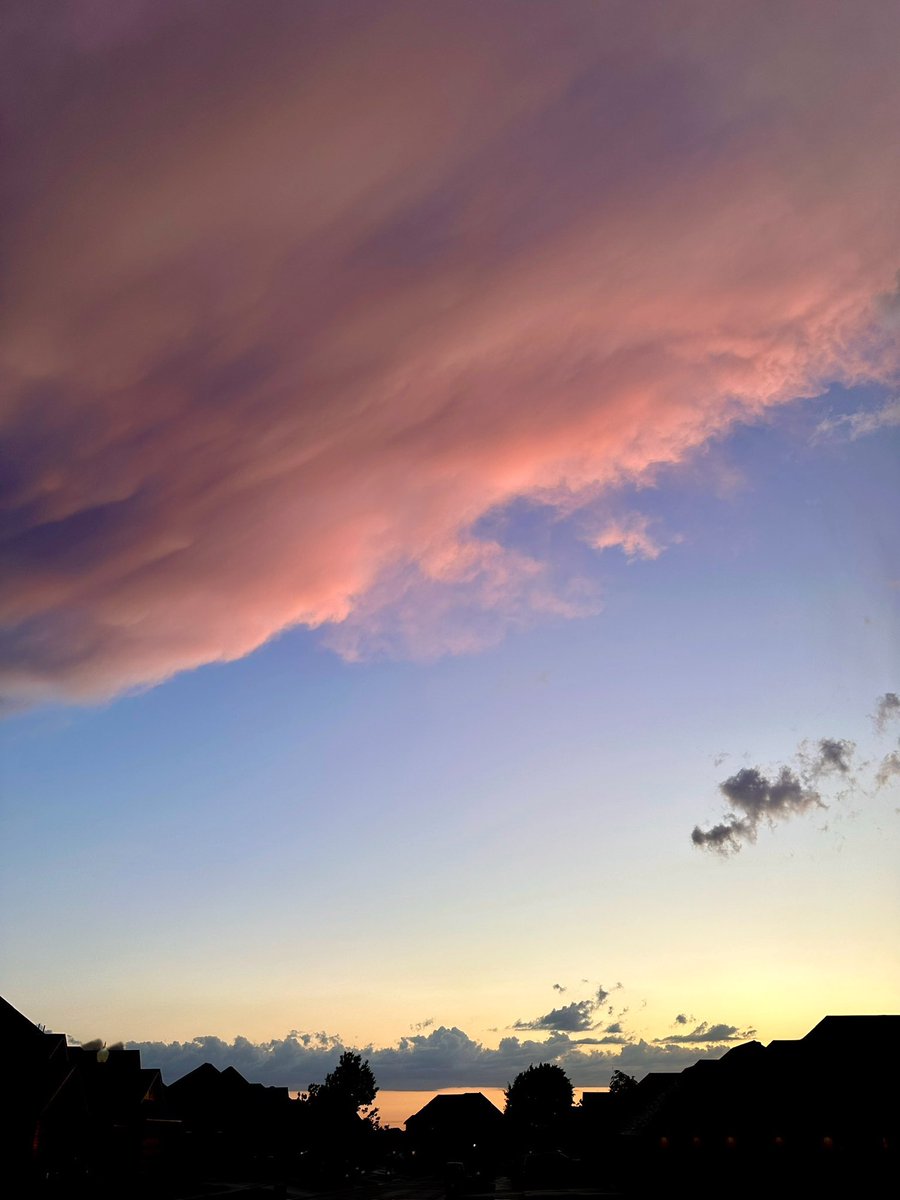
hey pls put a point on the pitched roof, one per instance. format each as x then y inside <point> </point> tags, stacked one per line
<point>24,1043</point>
<point>450,1108</point>
<point>846,1030</point>
<point>14,1024</point>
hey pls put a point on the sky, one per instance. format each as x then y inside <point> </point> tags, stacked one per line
<point>448,525</point>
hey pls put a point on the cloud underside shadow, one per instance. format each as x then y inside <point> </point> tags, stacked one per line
<point>271,355</point>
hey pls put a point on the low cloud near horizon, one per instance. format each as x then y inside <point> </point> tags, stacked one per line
<point>444,1057</point>
<point>437,1056</point>
<point>292,305</point>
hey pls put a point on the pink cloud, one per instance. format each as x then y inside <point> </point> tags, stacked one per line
<point>630,531</point>
<point>292,304</point>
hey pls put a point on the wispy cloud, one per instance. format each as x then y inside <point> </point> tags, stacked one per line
<point>631,533</point>
<point>861,424</point>
<point>887,710</point>
<point>888,769</point>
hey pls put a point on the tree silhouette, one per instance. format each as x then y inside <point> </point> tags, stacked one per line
<point>620,1083</point>
<point>349,1087</point>
<point>538,1095</point>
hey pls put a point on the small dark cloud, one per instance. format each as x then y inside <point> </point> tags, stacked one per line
<point>833,754</point>
<point>704,1032</point>
<point>615,1027</point>
<point>420,1025</point>
<point>760,799</point>
<point>755,797</point>
<point>575,1017</point>
<point>571,1018</point>
<point>887,709</point>
<point>682,1019</point>
<point>727,837</point>
<point>887,769</point>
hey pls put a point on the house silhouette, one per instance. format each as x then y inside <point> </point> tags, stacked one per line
<point>464,1127</point>
<point>818,1115</point>
<point>821,1111</point>
<point>73,1112</point>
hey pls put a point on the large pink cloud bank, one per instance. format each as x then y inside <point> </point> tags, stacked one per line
<point>295,294</point>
